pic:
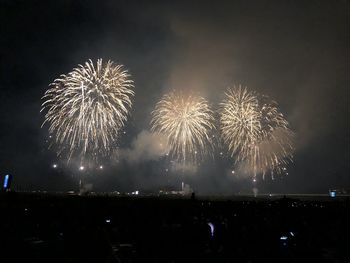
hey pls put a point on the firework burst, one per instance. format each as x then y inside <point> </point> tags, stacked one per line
<point>186,121</point>
<point>86,109</point>
<point>256,133</point>
<point>240,121</point>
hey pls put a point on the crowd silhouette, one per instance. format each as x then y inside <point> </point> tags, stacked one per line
<point>62,228</point>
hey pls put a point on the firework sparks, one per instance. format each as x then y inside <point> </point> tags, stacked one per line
<point>239,121</point>
<point>87,108</point>
<point>186,122</point>
<point>255,132</point>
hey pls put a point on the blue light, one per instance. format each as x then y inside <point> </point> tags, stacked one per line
<point>332,193</point>
<point>6,181</point>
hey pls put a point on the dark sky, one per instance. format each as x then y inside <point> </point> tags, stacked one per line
<point>296,52</point>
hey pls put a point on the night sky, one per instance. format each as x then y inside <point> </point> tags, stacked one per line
<point>296,52</point>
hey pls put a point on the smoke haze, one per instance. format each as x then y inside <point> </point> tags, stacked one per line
<point>296,52</point>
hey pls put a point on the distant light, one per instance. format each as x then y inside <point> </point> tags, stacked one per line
<point>195,152</point>
<point>291,233</point>
<point>254,180</point>
<point>221,153</point>
<point>283,238</point>
<point>101,167</point>
<point>81,168</point>
<point>6,181</point>
<point>136,192</point>
<point>212,228</point>
<point>108,220</point>
<point>54,165</point>
<point>284,168</point>
<point>233,172</point>
<point>332,193</point>
<point>166,169</point>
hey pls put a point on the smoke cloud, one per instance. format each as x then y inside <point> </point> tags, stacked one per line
<point>184,168</point>
<point>146,146</point>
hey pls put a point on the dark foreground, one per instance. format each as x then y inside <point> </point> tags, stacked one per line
<point>48,228</point>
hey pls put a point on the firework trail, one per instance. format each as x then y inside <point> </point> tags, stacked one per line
<point>186,121</point>
<point>256,133</point>
<point>86,109</point>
